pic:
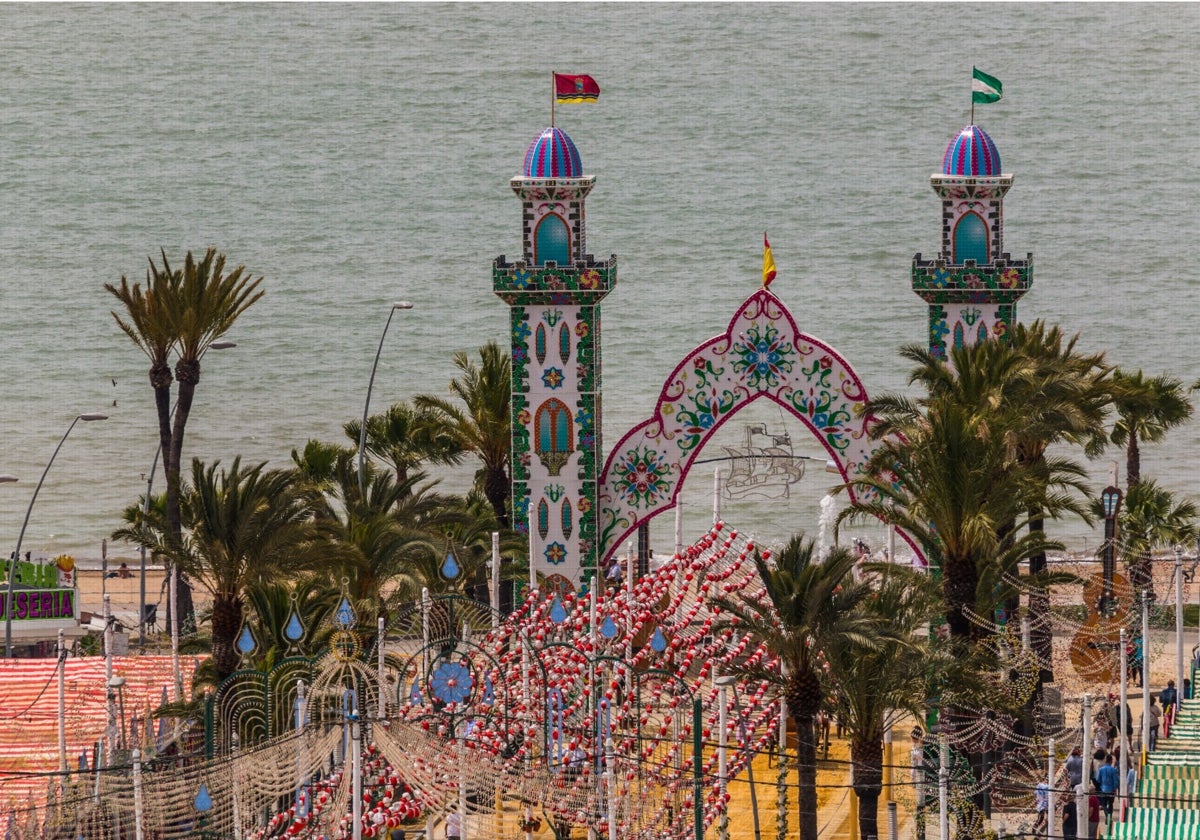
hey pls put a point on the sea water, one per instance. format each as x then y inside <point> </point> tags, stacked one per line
<point>357,155</point>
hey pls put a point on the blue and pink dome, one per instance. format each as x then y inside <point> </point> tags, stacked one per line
<point>972,154</point>
<point>553,155</point>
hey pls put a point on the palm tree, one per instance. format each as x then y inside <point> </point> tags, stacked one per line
<point>181,312</point>
<point>241,527</point>
<point>1018,397</point>
<point>810,605</point>
<point>483,424</point>
<point>942,473</point>
<point>207,304</point>
<point>893,676</point>
<point>1147,408</point>
<point>407,436</point>
<point>383,542</point>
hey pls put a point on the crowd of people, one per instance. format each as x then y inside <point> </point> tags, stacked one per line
<point>1103,782</point>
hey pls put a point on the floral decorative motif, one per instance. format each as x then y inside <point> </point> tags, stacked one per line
<point>717,379</point>
<point>451,682</point>
<point>553,378</point>
<point>703,415</point>
<point>589,279</point>
<point>642,477</point>
<point>763,356</point>
<point>556,553</point>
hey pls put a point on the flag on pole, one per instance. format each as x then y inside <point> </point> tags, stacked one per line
<point>569,88</point>
<point>984,88</point>
<point>768,263</point>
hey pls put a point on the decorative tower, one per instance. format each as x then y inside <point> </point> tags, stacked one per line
<point>555,292</point>
<point>973,286</point>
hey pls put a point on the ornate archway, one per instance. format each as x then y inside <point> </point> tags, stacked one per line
<point>761,355</point>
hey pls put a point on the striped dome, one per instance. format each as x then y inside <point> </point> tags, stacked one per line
<point>553,155</point>
<point>972,154</point>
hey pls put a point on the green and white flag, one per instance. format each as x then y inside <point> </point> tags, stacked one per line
<point>984,88</point>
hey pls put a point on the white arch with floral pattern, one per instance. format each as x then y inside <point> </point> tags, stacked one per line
<point>762,355</point>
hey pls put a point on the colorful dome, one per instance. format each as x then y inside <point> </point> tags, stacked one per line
<point>553,155</point>
<point>972,154</point>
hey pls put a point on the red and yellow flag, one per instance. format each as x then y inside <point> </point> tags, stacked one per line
<point>569,88</point>
<point>768,263</point>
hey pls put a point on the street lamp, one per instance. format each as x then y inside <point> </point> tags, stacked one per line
<point>216,345</point>
<point>362,432</point>
<point>1110,500</point>
<point>12,568</point>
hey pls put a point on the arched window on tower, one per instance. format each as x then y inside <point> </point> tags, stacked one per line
<point>552,241</point>
<point>971,240</point>
<point>553,434</point>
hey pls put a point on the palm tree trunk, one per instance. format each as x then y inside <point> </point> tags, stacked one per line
<point>806,774</point>
<point>496,487</point>
<point>866,759</point>
<point>1041,636</point>
<point>960,579</point>
<point>188,375</point>
<point>226,622</point>
<point>1133,461</point>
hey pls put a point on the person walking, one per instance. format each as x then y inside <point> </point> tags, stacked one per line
<point>1075,768</point>
<point>1109,779</point>
<point>453,826</point>
<point>1093,813</point>
<point>1041,802</point>
<point>1168,697</point>
<point>1155,717</point>
<point>1070,824</point>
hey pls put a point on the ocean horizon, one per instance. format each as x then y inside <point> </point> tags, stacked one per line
<point>356,155</point>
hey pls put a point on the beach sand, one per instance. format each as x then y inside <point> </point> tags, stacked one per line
<point>125,593</point>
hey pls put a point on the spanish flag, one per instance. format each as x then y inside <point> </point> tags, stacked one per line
<point>768,263</point>
<point>575,88</point>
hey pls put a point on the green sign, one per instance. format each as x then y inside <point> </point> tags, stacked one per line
<point>42,575</point>
<point>39,605</point>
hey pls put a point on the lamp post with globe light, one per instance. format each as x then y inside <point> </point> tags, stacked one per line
<point>12,576</point>
<point>1110,499</point>
<point>362,432</point>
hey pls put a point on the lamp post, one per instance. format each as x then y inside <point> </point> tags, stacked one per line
<point>12,569</point>
<point>216,345</point>
<point>362,432</point>
<point>1110,500</point>
<point>1179,621</point>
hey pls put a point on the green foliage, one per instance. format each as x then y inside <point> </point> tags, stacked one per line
<point>482,419</point>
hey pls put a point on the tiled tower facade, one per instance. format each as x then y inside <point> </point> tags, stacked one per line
<point>972,286</point>
<point>554,292</point>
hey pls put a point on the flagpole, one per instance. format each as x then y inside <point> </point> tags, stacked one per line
<point>553,90</point>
